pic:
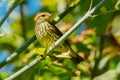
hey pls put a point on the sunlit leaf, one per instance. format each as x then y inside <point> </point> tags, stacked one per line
<point>47,4</point>
<point>40,51</point>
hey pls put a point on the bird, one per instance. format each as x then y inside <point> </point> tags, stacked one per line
<point>47,34</point>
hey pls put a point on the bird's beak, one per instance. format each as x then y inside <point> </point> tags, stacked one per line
<point>50,14</point>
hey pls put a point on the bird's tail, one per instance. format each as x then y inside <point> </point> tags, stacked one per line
<point>75,57</point>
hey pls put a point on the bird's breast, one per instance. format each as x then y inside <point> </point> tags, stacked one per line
<point>44,33</point>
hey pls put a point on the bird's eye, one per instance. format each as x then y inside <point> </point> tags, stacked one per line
<point>42,15</point>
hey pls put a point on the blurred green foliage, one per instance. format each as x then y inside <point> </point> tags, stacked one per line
<point>97,43</point>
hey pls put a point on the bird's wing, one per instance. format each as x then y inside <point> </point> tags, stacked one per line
<point>59,33</point>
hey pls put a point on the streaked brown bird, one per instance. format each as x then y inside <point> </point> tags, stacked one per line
<point>47,34</point>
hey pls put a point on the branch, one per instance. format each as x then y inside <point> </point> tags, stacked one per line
<point>33,38</point>
<point>80,21</point>
<point>22,21</point>
<point>24,69</point>
<point>15,4</point>
<point>65,12</point>
<point>20,49</point>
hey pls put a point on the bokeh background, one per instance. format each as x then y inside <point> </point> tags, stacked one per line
<point>97,40</point>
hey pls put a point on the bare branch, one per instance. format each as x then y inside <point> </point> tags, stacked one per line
<point>24,69</point>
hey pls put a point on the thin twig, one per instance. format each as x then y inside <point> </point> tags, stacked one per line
<point>65,13</point>
<point>22,21</point>
<point>59,40</point>
<point>15,4</point>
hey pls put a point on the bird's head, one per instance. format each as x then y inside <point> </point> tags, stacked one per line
<point>43,16</point>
